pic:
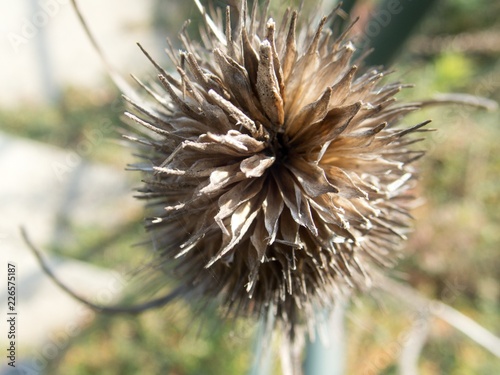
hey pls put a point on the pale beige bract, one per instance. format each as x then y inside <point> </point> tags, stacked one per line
<point>275,166</point>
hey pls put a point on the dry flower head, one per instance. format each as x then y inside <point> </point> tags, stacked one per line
<point>274,165</point>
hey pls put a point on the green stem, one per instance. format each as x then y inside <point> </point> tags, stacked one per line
<point>329,357</point>
<point>263,360</point>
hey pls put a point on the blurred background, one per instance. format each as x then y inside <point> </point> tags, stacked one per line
<point>62,166</point>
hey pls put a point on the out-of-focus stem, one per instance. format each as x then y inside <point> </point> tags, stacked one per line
<point>326,354</point>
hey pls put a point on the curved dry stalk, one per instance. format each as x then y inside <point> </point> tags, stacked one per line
<point>460,98</point>
<point>115,76</point>
<point>159,302</point>
<point>441,310</point>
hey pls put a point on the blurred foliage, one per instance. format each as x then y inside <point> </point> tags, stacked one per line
<point>76,117</point>
<point>391,26</point>
<point>453,253</point>
<point>156,343</point>
<point>452,256</point>
<point>452,71</point>
<point>457,16</point>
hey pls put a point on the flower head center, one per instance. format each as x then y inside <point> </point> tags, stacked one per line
<point>278,147</point>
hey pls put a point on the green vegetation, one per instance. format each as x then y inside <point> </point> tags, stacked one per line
<point>77,117</point>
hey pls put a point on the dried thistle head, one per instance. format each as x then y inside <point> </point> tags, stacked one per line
<point>275,166</point>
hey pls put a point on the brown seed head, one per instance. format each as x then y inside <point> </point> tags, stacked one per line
<point>276,168</point>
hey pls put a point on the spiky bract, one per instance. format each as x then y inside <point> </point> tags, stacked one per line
<point>278,173</point>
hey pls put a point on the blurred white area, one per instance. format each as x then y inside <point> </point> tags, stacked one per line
<point>35,195</point>
<point>44,48</point>
<point>43,45</point>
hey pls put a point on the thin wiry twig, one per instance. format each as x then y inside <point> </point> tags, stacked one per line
<point>159,302</point>
<point>117,79</point>
<point>464,99</point>
<point>441,310</point>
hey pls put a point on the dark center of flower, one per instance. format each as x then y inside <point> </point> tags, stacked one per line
<point>279,148</point>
